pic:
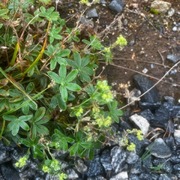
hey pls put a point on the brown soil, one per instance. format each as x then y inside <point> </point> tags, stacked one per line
<point>150,38</point>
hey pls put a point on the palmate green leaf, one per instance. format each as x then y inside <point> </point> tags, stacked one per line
<point>49,13</point>
<point>114,112</point>
<point>73,87</point>
<point>55,34</point>
<point>71,76</point>
<point>61,141</point>
<point>54,77</point>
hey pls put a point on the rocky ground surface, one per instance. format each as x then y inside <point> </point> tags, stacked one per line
<point>151,58</point>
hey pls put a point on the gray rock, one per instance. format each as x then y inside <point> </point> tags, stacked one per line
<point>164,177</point>
<point>95,167</point>
<point>165,165</point>
<point>140,122</point>
<point>159,149</point>
<point>116,6</point>
<point>136,168</point>
<point>4,156</point>
<point>92,13</point>
<point>176,167</point>
<point>144,176</point>
<point>8,172</point>
<point>174,58</point>
<point>160,6</point>
<point>161,117</point>
<point>133,177</point>
<point>147,114</point>
<point>106,160</point>
<point>147,163</point>
<point>97,178</point>
<point>132,158</point>
<point>71,174</point>
<point>121,176</point>
<point>175,159</point>
<point>118,157</point>
<point>177,136</point>
<point>80,166</point>
<point>151,100</point>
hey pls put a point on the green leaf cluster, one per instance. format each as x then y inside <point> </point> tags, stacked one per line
<point>51,97</point>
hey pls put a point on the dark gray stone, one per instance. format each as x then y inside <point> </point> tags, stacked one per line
<point>92,13</point>
<point>161,117</point>
<point>133,177</point>
<point>106,160</point>
<point>165,165</point>
<point>8,172</point>
<point>132,158</point>
<point>173,57</point>
<point>175,159</point>
<point>118,159</point>
<point>159,149</point>
<point>147,163</point>
<point>176,167</point>
<point>4,156</point>
<point>147,114</point>
<point>95,167</point>
<point>164,177</point>
<point>136,168</point>
<point>144,176</point>
<point>151,99</point>
<point>116,6</point>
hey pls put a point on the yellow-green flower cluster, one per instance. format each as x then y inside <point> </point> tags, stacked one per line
<point>139,135</point>
<point>121,41</point>
<point>104,90</point>
<point>62,176</point>
<point>103,121</point>
<point>51,166</point>
<point>79,111</point>
<point>21,162</point>
<point>131,147</point>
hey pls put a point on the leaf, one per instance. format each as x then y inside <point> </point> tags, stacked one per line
<point>73,87</point>
<point>62,72</point>
<point>77,58</point>
<point>42,130</point>
<point>3,13</point>
<point>85,61</point>
<point>64,53</point>
<point>30,87</point>
<point>24,126</point>
<point>54,77</point>
<point>49,13</point>
<point>25,118</point>
<point>64,93</point>
<point>115,113</point>
<point>39,114</point>
<point>9,117</point>
<point>13,126</point>
<point>72,75</point>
